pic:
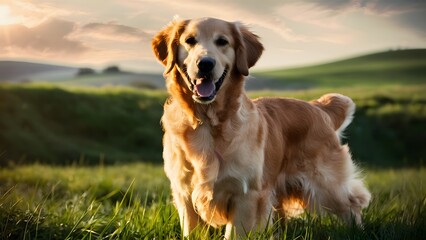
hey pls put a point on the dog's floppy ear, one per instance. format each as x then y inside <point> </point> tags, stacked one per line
<point>248,48</point>
<point>165,44</point>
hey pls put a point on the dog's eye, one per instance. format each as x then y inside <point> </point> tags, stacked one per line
<point>191,41</point>
<point>221,41</point>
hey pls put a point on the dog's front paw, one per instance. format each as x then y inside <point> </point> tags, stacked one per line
<point>206,207</point>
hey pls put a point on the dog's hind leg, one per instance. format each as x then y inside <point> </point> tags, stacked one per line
<point>337,188</point>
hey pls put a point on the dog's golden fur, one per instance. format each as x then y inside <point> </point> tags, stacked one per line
<point>232,160</point>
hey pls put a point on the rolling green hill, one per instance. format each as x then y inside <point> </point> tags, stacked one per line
<point>42,123</point>
<point>106,127</point>
<point>400,67</point>
<point>114,125</point>
<point>16,71</point>
<point>31,72</point>
<point>62,124</point>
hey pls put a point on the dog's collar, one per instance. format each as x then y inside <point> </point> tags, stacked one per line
<point>219,156</point>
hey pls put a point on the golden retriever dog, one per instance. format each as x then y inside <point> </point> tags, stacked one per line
<point>232,160</point>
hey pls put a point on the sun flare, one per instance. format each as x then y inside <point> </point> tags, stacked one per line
<point>6,17</point>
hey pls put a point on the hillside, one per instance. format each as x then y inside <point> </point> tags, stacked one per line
<point>52,125</point>
<point>131,79</point>
<point>24,71</point>
<point>391,67</point>
<point>113,125</point>
<point>59,123</point>
<point>27,72</point>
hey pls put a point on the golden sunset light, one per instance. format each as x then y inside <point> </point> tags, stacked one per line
<point>294,32</point>
<point>5,16</point>
<point>213,119</point>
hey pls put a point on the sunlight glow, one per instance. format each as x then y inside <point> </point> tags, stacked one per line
<point>5,16</point>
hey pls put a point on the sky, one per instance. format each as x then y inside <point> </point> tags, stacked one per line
<point>99,33</point>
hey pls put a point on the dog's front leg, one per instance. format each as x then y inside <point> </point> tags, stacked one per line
<point>249,214</point>
<point>189,219</point>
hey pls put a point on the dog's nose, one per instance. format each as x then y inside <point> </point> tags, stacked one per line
<point>206,64</point>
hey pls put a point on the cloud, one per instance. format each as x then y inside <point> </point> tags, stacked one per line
<point>47,38</point>
<point>330,15</point>
<point>392,7</point>
<point>69,42</point>
<point>80,31</point>
<point>414,21</point>
<point>409,14</point>
<point>113,32</point>
<point>377,7</point>
<point>249,12</point>
<point>412,13</point>
<point>333,5</point>
<point>32,13</point>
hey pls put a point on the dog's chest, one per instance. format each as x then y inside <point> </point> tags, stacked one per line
<point>236,156</point>
<point>244,164</point>
<point>213,152</point>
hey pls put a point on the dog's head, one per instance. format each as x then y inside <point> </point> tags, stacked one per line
<point>205,52</point>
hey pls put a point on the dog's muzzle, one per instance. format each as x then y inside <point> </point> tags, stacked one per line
<point>205,91</point>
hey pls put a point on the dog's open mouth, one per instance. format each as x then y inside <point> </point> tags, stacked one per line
<point>205,89</point>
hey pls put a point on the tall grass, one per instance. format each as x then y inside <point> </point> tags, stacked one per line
<point>46,202</point>
<point>133,202</point>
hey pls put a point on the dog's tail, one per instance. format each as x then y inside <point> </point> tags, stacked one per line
<point>339,108</point>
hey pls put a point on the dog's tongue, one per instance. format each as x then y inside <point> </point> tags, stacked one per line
<point>205,88</point>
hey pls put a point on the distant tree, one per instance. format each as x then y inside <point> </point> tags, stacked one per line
<point>140,84</point>
<point>112,69</point>
<point>85,71</point>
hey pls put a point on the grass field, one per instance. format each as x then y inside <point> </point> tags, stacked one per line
<point>133,202</point>
<point>85,163</point>
<point>80,199</point>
